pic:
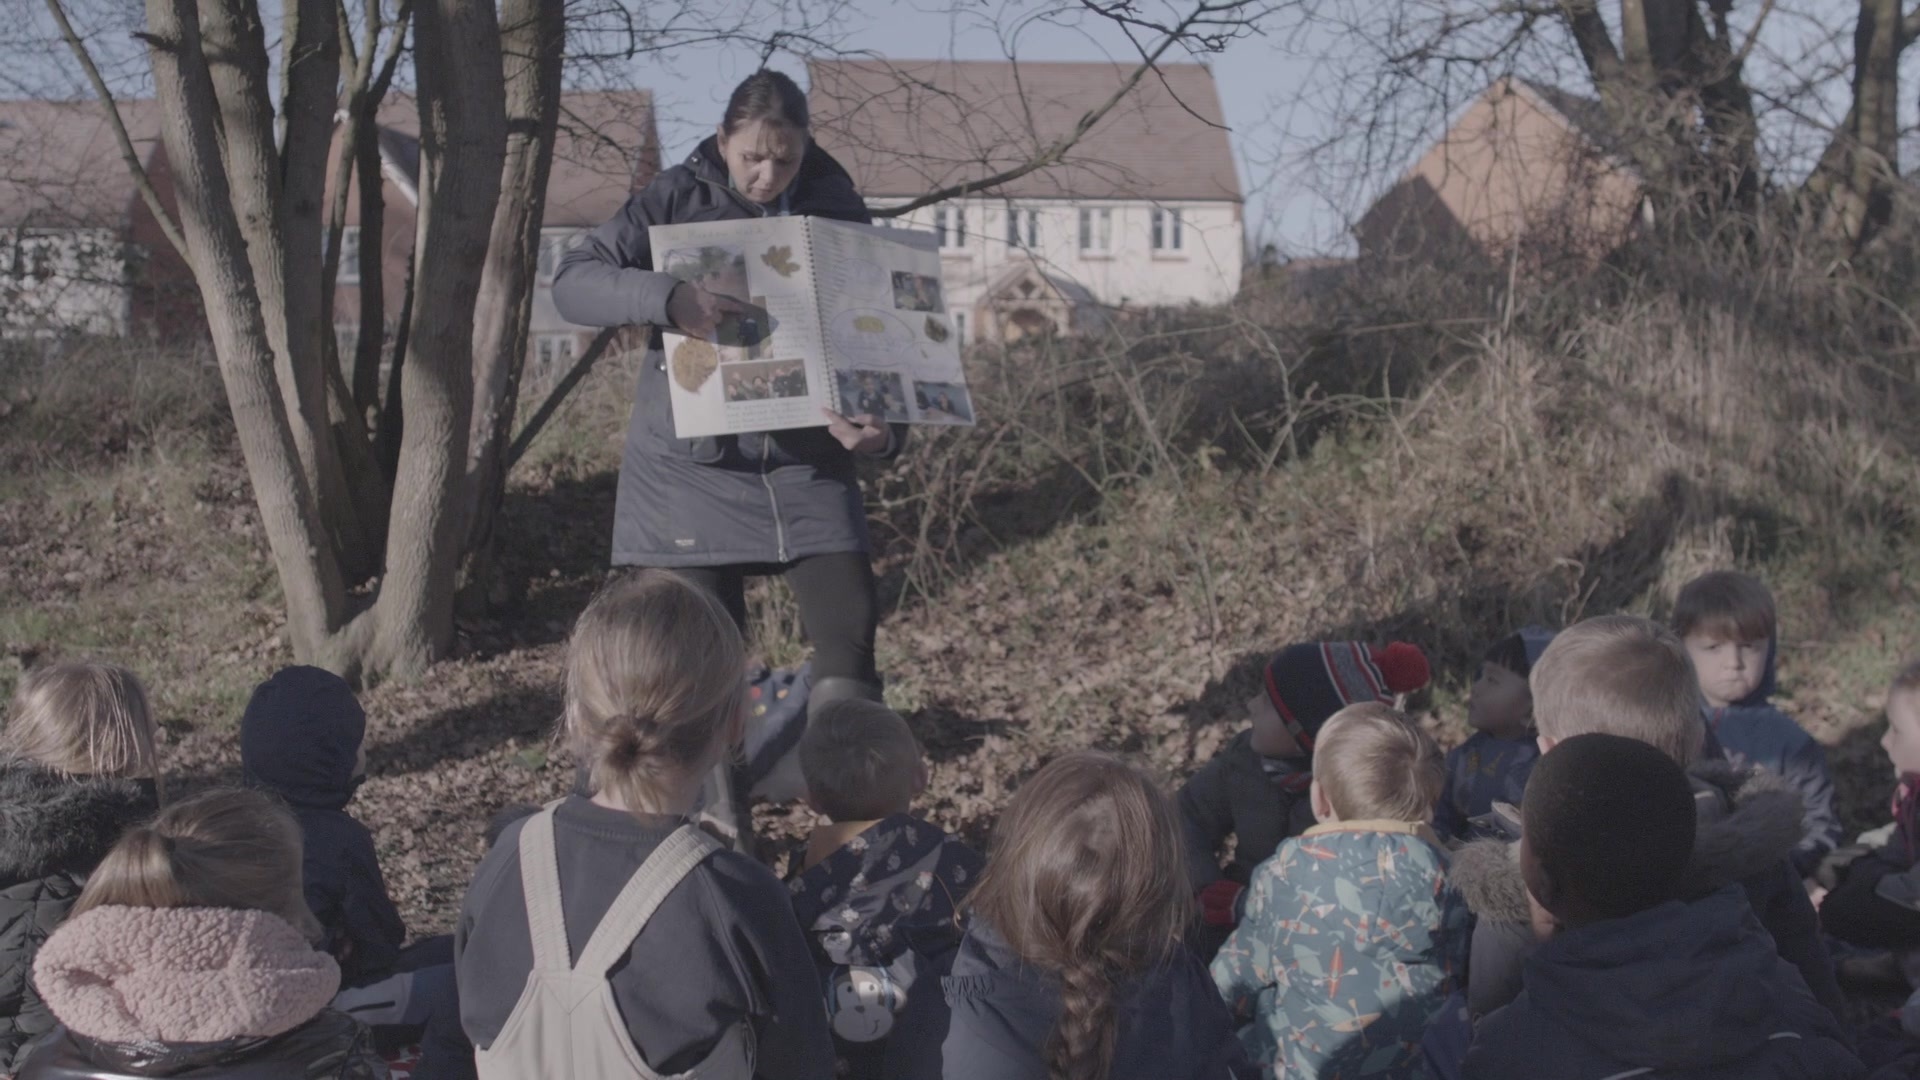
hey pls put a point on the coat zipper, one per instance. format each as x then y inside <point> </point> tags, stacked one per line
<point>779,527</point>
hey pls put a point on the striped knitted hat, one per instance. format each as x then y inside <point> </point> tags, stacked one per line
<point>1310,682</point>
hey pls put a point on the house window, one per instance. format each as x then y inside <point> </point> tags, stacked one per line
<point>950,226</point>
<point>346,341</point>
<point>350,255</point>
<point>32,257</point>
<point>554,350</point>
<point>960,328</point>
<point>554,246</point>
<point>1096,230</point>
<point>1023,228</point>
<point>1169,233</point>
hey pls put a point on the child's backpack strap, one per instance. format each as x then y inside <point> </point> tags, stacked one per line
<point>540,882</point>
<point>663,871</point>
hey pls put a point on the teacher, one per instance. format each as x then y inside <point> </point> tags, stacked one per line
<point>720,509</point>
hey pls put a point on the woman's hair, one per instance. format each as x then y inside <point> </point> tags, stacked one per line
<point>83,719</point>
<point>1087,882</point>
<point>767,96</point>
<point>227,848</point>
<point>655,684</point>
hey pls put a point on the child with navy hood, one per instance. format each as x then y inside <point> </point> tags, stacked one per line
<point>1255,788</point>
<point>878,892</point>
<point>1490,769</point>
<point>1631,980</point>
<point>1073,967</point>
<point>1730,626</point>
<point>301,738</point>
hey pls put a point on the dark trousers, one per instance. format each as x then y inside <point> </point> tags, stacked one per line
<point>839,606</point>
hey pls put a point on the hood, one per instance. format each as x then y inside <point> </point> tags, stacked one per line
<point>893,888</point>
<point>300,738</point>
<point>1647,987</point>
<point>822,188</point>
<point>53,824</point>
<point>196,975</point>
<point>1749,820</point>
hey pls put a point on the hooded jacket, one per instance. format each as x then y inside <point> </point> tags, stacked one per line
<point>300,739</point>
<point>1170,1023</point>
<point>1233,795</point>
<point>1351,942</point>
<point>1691,990</point>
<point>1749,822</point>
<point>882,916</point>
<point>53,832</point>
<point>719,500</point>
<point>211,993</point>
<point>1752,732</point>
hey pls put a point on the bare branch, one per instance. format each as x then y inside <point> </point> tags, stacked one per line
<point>169,227</point>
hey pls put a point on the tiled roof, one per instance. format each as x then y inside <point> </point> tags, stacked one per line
<point>60,166</point>
<point>907,127</point>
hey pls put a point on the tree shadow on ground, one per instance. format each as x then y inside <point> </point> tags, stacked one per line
<point>554,544</point>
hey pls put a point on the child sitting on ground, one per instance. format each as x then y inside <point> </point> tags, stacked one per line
<point>189,954</point>
<point>1630,979</point>
<point>1352,937</point>
<point>1729,625</point>
<point>878,892</point>
<point>1628,676</point>
<point>302,738</point>
<point>1490,769</point>
<point>585,896</point>
<point>77,768</point>
<point>1874,900</point>
<point>1073,967</point>
<point>1255,788</point>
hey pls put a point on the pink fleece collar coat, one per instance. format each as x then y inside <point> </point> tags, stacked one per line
<point>125,974</point>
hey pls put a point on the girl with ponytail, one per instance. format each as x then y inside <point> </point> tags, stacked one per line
<point>190,952</point>
<point>1073,968</point>
<point>716,980</point>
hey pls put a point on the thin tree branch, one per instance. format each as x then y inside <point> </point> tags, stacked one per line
<point>169,227</point>
<point>538,421</point>
<point>1057,150</point>
<point>1753,36</point>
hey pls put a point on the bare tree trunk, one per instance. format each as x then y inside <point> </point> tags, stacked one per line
<point>369,350</point>
<point>237,62</point>
<point>462,146</point>
<point>309,576</point>
<point>1851,188</point>
<point>533,42</point>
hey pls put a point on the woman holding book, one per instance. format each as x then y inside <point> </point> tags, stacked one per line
<point>719,509</point>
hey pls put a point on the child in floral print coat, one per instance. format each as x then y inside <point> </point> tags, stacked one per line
<point>878,892</point>
<point>1352,939</point>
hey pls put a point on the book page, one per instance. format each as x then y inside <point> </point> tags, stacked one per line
<point>764,369</point>
<point>892,345</point>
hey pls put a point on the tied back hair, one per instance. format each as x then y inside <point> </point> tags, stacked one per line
<point>655,685</point>
<point>227,848</point>
<point>1087,883</point>
<point>768,96</point>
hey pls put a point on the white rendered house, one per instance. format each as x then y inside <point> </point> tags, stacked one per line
<point>1144,212</point>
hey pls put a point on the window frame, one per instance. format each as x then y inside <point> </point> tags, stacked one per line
<point>348,273</point>
<point>1157,231</point>
<point>950,227</point>
<point>1096,223</point>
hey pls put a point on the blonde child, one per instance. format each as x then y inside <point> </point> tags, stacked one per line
<point>190,953</point>
<point>693,952</point>
<point>1073,967</point>
<point>1352,938</point>
<point>78,767</point>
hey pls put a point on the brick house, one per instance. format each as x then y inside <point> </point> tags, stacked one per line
<point>1523,166</point>
<point>80,253</point>
<point>1145,211</point>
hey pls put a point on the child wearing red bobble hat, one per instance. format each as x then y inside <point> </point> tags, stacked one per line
<point>1256,787</point>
